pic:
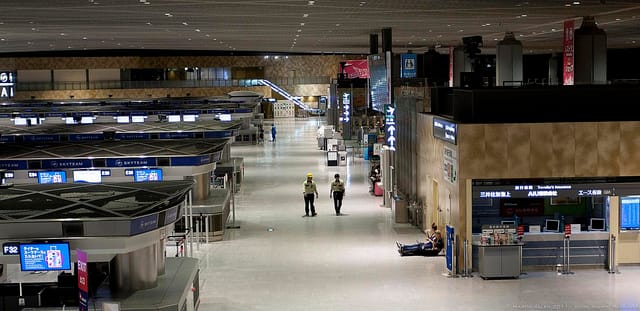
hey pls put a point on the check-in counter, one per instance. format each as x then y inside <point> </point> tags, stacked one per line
<point>545,249</point>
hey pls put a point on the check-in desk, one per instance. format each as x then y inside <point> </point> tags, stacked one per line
<point>499,261</point>
<point>546,249</point>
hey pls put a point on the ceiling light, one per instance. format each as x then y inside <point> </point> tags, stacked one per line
<point>617,19</point>
<point>84,38</point>
<point>337,25</point>
<point>297,35</point>
<point>311,2</point>
<point>197,30</point>
<point>168,14</point>
<point>299,30</point>
<point>185,23</point>
<point>63,34</point>
<point>576,2</point>
<point>149,23</point>
<point>567,4</point>
<point>553,29</point>
<point>301,24</point>
<point>305,15</point>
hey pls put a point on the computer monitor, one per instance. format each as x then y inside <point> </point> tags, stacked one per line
<point>508,222</point>
<point>597,224</point>
<point>551,225</point>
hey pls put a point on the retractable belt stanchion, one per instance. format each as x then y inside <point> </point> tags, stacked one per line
<point>233,198</point>
<point>465,272</point>
<point>566,257</point>
<point>612,255</point>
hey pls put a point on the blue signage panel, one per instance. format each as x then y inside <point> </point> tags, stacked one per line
<point>145,175</point>
<point>52,177</point>
<point>84,137</point>
<point>144,224</point>
<point>5,115</point>
<point>190,161</point>
<point>390,126</point>
<point>55,114</point>
<point>242,110</point>
<point>66,163</point>
<point>133,136</point>
<point>130,162</point>
<point>215,111</point>
<point>8,139</point>
<point>445,130</point>
<point>108,113</point>
<point>408,65</point>
<point>176,135</point>
<point>13,164</point>
<point>7,84</point>
<point>171,215</point>
<point>449,253</point>
<point>218,134</point>
<point>40,138</point>
<point>191,111</point>
<point>345,116</point>
<point>45,257</point>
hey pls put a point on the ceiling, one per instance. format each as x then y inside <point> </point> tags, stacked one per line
<point>300,26</point>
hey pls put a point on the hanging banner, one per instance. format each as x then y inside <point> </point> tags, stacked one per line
<point>450,66</point>
<point>83,281</point>
<point>408,64</point>
<point>567,48</point>
<point>355,69</point>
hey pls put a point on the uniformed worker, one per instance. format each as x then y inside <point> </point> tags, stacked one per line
<point>337,192</point>
<point>309,191</point>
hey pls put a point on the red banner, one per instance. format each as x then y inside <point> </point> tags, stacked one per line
<point>83,281</point>
<point>450,66</point>
<point>567,48</point>
<point>353,69</point>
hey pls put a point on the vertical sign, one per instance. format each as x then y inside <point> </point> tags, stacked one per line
<point>7,84</point>
<point>390,126</point>
<point>450,66</point>
<point>449,254</point>
<point>450,170</point>
<point>567,45</point>
<point>409,62</point>
<point>346,108</point>
<point>83,281</point>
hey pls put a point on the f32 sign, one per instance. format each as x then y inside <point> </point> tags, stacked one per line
<point>7,84</point>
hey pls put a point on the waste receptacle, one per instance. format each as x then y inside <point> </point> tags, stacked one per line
<point>399,210</point>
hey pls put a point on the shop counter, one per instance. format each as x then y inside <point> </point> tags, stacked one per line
<point>499,261</point>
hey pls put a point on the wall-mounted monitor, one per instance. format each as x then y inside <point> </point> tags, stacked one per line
<point>149,174</point>
<point>44,256</point>
<point>52,177</point>
<point>630,213</point>
<point>551,225</point>
<point>87,176</point>
<point>225,117</point>
<point>173,118</point>
<point>189,118</point>
<point>122,119</point>
<point>26,121</point>
<point>9,175</point>
<point>597,224</point>
<point>138,119</point>
<point>508,222</point>
<point>86,120</point>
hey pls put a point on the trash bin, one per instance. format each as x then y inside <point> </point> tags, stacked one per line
<point>399,210</point>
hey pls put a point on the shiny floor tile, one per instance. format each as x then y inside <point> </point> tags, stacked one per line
<point>278,260</point>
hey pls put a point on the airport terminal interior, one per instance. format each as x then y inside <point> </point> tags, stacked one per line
<point>161,155</point>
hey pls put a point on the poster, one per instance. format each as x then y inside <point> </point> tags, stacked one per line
<point>408,65</point>
<point>567,48</point>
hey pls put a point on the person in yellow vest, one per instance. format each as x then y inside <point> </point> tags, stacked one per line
<point>337,193</point>
<point>309,191</point>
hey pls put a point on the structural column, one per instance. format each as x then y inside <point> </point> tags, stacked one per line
<point>461,63</point>
<point>134,271</point>
<point>373,43</point>
<point>202,186</point>
<point>508,60</point>
<point>590,50</point>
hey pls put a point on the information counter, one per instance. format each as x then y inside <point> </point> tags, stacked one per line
<point>499,261</point>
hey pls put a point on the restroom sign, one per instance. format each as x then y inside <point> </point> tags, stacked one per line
<point>7,84</point>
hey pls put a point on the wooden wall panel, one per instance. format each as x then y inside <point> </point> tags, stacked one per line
<point>541,156</point>
<point>586,149</point>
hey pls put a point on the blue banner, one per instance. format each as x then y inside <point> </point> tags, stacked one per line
<point>408,65</point>
<point>450,250</point>
<point>40,138</point>
<point>176,135</point>
<point>190,161</point>
<point>84,137</point>
<point>66,163</point>
<point>218,134</point>
<point>144,224</point>
<point>55,114</point>
<point>13,164</point>
<point>133,136</point>
<point>8,139</point>
<point>131,162</point>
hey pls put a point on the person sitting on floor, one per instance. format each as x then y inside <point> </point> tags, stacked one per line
<point>431,247</point>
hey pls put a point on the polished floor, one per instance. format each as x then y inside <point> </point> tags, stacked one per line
<point>278,260</point>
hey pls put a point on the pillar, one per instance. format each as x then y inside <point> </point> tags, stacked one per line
<point>508,60</point>
<point>461,63</point>
<point>553,77</point>
<point>202,186</point>
<point>133,271</point>
<point>161,257</point>
<point>387,41</point>
<point>373,43</point>
<point>590,50</point>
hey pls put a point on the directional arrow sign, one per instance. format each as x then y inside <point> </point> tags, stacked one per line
<point>391,130</point>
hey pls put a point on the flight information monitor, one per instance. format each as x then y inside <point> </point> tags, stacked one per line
<point>52,177</point>
<point>630,213</point>
<point>144,175</point>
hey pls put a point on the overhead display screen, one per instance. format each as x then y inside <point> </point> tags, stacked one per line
<point>52,177</point>
<point>144,175</point>
<point>380,87</point>
<point>87,176</point>
<point>45,257</point>
<point>630,213</point>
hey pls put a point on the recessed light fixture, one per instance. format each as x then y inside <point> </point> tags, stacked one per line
<point>311,2</point>
<point>63,34</point>
<point>299,30</point>
<point>149,23</point>
<point>168,14</point>
<point>185,23</point>
<point>617,19</point>
<point>576,2</point>
<point>524,15</point>
<point>197,30</point>
<point>84,38</point>
<point>337,25</point>
<point>301,24</point>
<point>305,15</point>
